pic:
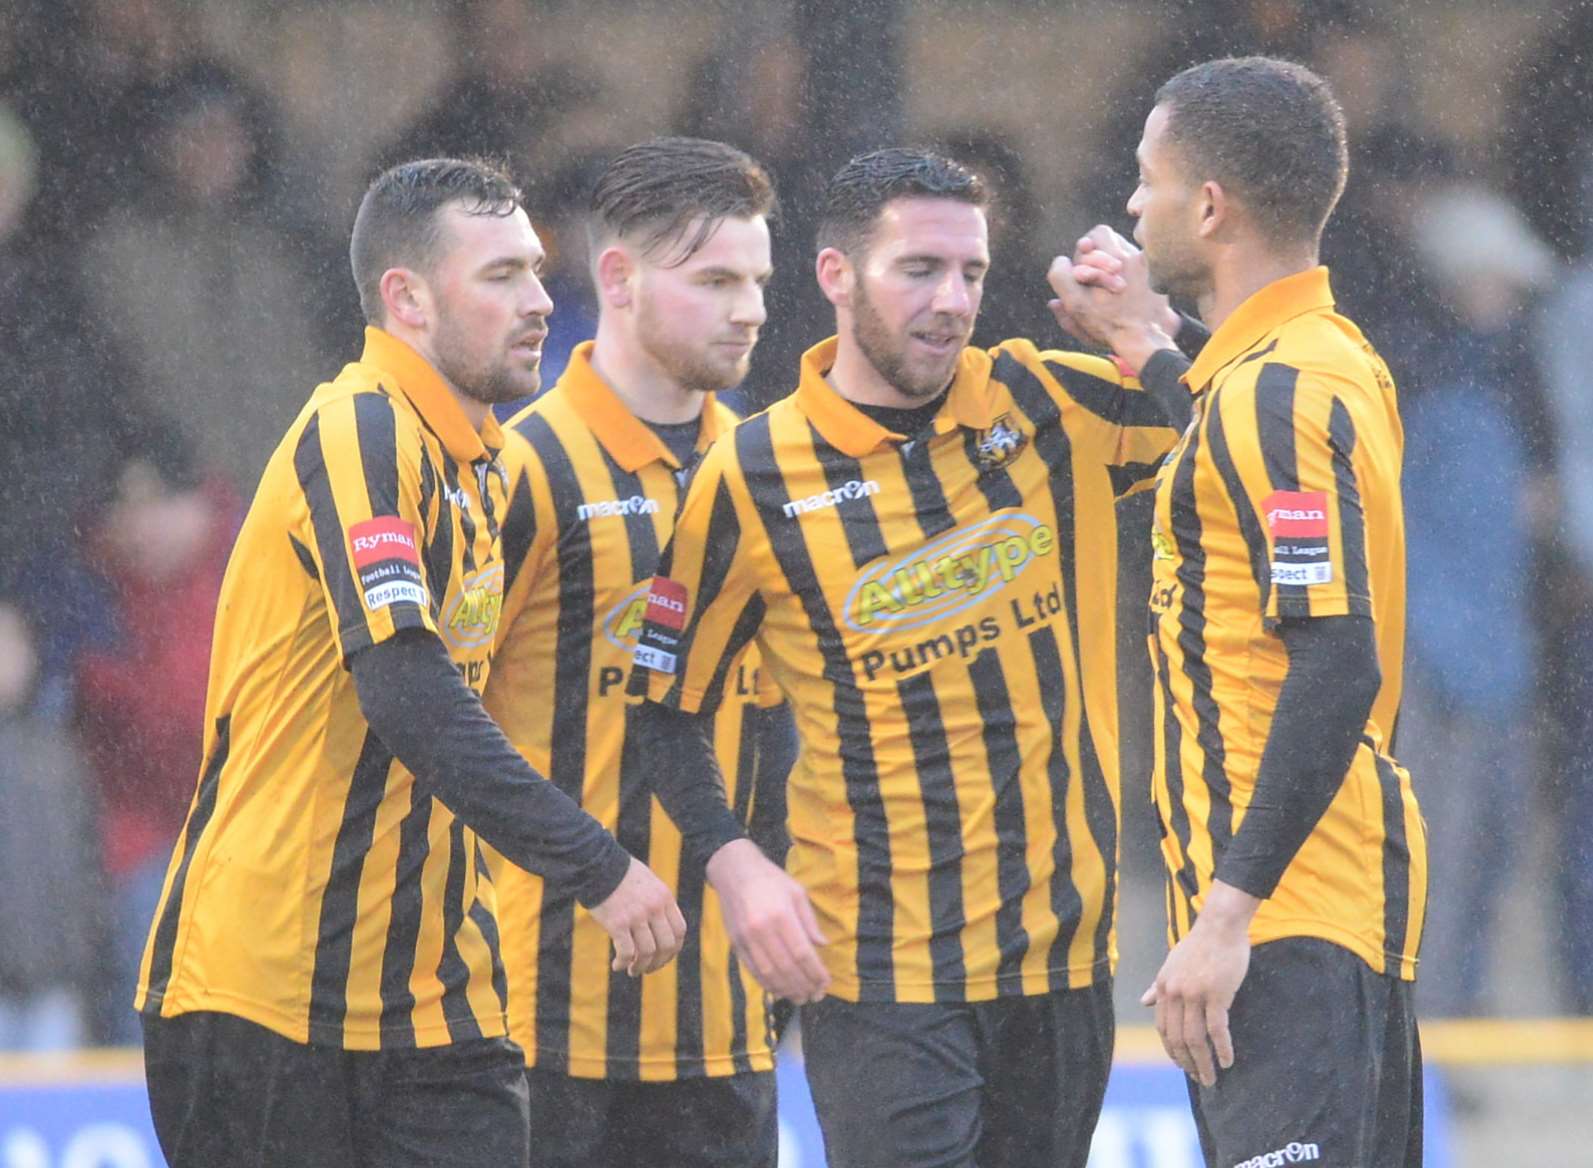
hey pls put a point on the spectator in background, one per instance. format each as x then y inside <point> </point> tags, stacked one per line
<point>1475,454</point>
<point>159,550</point>
<point>46,860</point>
<point>1016,293</point>
<point>203,294</point>
<point>510,82</point>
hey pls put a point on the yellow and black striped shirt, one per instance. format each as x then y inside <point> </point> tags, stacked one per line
<point>316,889</point>
<point>1282,502</point>
<point>593,496</point>
<point>940,613</point>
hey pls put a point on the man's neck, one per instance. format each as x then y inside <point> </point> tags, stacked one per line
<point>1244,270</point>
<point>647,390</point>
<point>474,409</point>
<point>855,378</point>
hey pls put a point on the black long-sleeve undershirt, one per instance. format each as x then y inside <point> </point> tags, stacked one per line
<point>422,711</point>
<point>1327,695</point>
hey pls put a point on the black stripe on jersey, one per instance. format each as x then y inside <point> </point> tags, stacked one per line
<point>334,943</point>
<point>378,438</point>
<point>467,525</point>
<point>403,927</point>
<point>306,560</point>
<point>1352,521</point>
<point>1105,399</point>
<point>488,925</point>
<point>572,669</point>
<point>1066,903</point>
<point>639,529</point>
<point>995,484</point>
<point>634,830</point>
<point>1188,532</point>
<point>1126,476</point>
<point>310,464</point>
<point>1012,829</point>
<point>485,470</point>
<point>1275,386</point>
<point>689,1041</point>
<point>745,628</point>
<point>876,912</point>
<point>1244,512</point>
<point>1396,861</point>
<point>857,516</point>
<point>746,772</point>
<point>452,971</point>
<point>929,500</point>
<point>439,554</point>
<point>943,825</point>
<point>1176,811</point>
<point>1052,444</point>
<point>198,819</point>
<point>519,529</point>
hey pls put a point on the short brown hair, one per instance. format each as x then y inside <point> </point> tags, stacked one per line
<point>671,193</point>
<point>1270,131</point>
<point>397,222</point>
<point>861,189</point>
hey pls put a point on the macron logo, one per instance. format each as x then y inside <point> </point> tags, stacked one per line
<point>635,505</point>
<point>851,490</point>
<point>1295,1153</point>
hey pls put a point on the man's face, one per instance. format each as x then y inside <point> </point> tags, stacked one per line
<point>489,310</point>
<point>917,291</point>
<point>699,320</point>
<point>1163,205</point>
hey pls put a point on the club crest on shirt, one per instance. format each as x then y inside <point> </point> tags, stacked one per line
<point>999,445</point>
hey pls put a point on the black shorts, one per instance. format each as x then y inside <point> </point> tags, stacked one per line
<point>1012,1083</point>
<point>226,1093</point>
<point>728,1122</point>
<point>1327,1066</point>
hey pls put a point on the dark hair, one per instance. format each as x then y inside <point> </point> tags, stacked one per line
<point>652,194</point>
<point>1270,131</point>
<point>861,189</point>
<point>397,223</point>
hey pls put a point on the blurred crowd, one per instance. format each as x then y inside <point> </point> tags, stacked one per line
<point>173,282</point>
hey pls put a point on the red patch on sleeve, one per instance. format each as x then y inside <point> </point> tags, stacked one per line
<point>384,538</point>
<point>1297,514</point>
<point>1123,366</point>
<point>666,603</point>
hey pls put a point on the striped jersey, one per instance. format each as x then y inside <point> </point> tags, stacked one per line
<point>593,496</point>
<point>316,889</point>
<point>940,611</point>
<point>1282,502</point>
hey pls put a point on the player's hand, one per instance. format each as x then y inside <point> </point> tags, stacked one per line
<point>771,922</point>
<point>1197,983</point>
<point>643,919</point>
<point>1103,296</point>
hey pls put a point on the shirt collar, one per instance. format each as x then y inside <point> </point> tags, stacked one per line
<point>431,397</point>
<point>1264,310</point>
<point>630,441</point>
<point>855,434</point>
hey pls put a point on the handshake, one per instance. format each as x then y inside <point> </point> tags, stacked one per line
<point>1106,296</point>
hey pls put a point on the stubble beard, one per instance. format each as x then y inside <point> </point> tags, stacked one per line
<point>489,382</point>
<point>888,354</point>
<point>693,370</point>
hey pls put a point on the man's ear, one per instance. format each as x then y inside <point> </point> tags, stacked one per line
<point>1214,208</point>
<point>406,297</point>
<point>613,274</point>
<point>836,276</point>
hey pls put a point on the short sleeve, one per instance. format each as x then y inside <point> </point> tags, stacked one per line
<point>367,532</point>
<point>703,607</point>
<point>1103,408</point>
<point>1288,459</point>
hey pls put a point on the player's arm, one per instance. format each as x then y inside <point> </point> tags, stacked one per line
<point>702,611</point>
<point>776,755</point>
<point>365,532</point>
<point>1292,480</point>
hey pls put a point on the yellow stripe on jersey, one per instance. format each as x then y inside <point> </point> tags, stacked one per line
<point>940,611</point>
<point>1282,502</point>
<point>593,498</point>
<point>315,889</point>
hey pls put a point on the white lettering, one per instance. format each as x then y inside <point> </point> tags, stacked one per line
<point>395,592</point>
<point>1306,574</point>
<point>635,505</point>
<point>1278,513</point>
<point>850,490</point>
<point>655,659</point>
<point>1296,1152</point>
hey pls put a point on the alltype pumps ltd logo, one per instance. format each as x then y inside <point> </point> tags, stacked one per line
<point>959,569</point>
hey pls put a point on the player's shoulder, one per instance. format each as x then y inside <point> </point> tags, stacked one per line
<point>1012,359</point>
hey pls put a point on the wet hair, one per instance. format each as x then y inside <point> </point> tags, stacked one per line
<point>398,226</point>
<point>1269,131</point>
<point>860,190</point>
<point>668,195</point>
